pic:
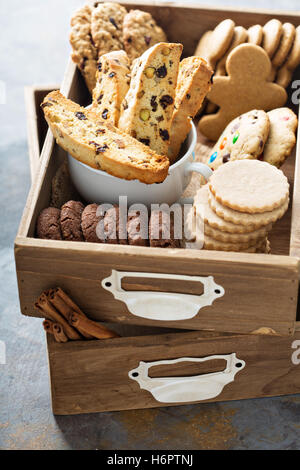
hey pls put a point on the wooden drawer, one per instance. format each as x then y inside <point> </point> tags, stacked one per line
<point>96,376</point>
<point>260,291</point>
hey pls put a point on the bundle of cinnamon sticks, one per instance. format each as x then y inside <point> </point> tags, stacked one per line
<point>65,321</point>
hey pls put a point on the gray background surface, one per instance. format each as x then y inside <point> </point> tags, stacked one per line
<point>33,50</point>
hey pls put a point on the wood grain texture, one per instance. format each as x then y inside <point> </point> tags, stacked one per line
<point>261,291</point>
<point>100,381</point>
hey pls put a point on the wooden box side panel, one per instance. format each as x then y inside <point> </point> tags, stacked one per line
<point>257,294</point>
<point>100,381</point>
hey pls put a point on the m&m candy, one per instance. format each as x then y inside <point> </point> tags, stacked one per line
<point>213,157</point>
<point>223,143</point>
<point>235,137</point>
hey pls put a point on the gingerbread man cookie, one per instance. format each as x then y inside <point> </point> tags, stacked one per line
<point>214,44</point>
<point>245,88</point>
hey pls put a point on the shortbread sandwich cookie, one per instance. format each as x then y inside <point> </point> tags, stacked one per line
<point>250,238</point>
<point>147,110</point>
<point>282,137</point>
<point>212,47</point>
<point>216,245</point>
<point>272,35</point>
<point>249,186</point>
<point>194,82</point>
<point>140,33</point>
<point>104,147</point>
<point>212,220</point>
<point>255,34</point>
<point>84,51</point>
<point>287,39</point>
<point>107,27</point>
<point>112,85</point>
<point>253,221</point>
<point>285,73</point>
<point>243,138</point>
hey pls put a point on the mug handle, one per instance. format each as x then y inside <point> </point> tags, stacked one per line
<point>201,168</point>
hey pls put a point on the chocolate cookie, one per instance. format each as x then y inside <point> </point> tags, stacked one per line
<point>137,229</point>
<point>70,220</point>
<point>48,224</point>
<point>162,230</point>
<point>89,222</point>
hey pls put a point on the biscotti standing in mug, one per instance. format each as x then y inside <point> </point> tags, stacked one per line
<point>194,82</point>
<point>79,132</point>
<point>148,107</point>
<point>112,85</point>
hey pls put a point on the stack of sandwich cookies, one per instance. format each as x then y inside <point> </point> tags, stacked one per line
<point>239,205</point>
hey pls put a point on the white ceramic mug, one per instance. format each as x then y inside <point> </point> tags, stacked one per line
<point>100,187</point>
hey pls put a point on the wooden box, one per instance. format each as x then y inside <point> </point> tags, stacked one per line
<point>261,291</point>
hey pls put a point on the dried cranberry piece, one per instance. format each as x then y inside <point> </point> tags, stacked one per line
<point>165,101</point>
<point>81,116</point>
<point>153,103</point>
<point>100,98</point>
<point>161,72</point>
<point>145,141</point>
<point>99,66</point>
<point>164,134</point>
<point>112,74</point>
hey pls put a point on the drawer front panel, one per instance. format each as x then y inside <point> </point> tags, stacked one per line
<point>243,296</point>
<point>103,379</point>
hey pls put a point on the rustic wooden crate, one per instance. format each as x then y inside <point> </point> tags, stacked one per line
<point>261,291</point>
<point>36,125</point>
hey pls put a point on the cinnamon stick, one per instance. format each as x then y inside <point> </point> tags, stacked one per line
<point>64,305</point>
<point>84,325</point>
<point>50,312</point>
<point>59,333</point>
<point>48,326</point>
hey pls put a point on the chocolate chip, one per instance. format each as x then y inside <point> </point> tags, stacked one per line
<point>147,40</point>
<point>226,158</point>
<point>81,116</point>
<point>112,74</point>
<point>165,101</point>
<point>129,40</point>
<point>100,98</point>
<point>113,23</point>
<point>164,134</point>
<point>105,114</point>
<point>153,103</point>
<point>161,72</point>
<point>145,141</point>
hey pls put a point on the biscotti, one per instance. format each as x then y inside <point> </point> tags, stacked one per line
<point>112,85</point>
<point>147,110</point>
<point>87,139</point>
<point>194,82</point>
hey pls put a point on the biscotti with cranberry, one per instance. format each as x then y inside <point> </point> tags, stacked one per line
<point>104,147</point>
<point>147,110</point>
<point>112,85</point>
<point>194,82</point>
